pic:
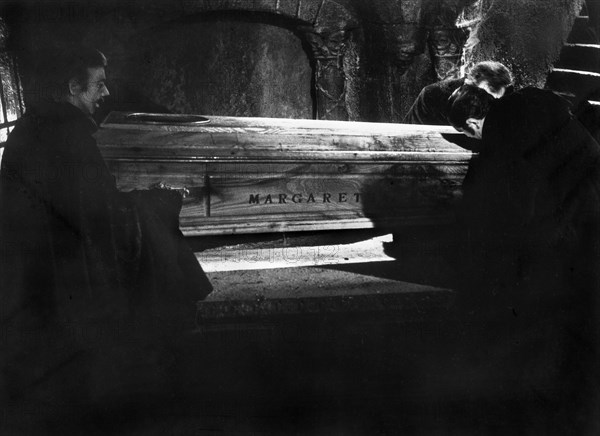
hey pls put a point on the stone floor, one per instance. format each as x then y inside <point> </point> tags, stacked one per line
<point>306,335</point>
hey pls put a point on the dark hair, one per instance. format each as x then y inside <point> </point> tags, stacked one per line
<point>494,73</point>
<point>468,101</point>
<point>58,66</point>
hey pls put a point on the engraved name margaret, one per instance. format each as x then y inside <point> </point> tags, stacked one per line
<point>325,197</point>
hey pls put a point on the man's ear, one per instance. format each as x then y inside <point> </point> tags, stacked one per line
<point>471,122</point>
<point>476,125</point>
<point>74,87</point>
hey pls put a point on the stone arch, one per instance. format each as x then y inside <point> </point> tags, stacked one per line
<point>327,26</point>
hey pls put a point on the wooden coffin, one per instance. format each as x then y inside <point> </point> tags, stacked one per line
<point>250,175</point>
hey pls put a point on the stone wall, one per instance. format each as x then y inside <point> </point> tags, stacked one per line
<point>225,64</point>
<point>333,59</point>
<point>525,35</point>
<point>226,67</point>
<point>409,44</point>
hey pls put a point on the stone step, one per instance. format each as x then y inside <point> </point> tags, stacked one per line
<point>583,57</point>
<point>586,111</point>
<point>567,96</point>
<point>244,257</point>
<point>582,84</point>
<point>581,32</point>
<point>342,278</point>
<point>571,97</point>
<point>361,289</point>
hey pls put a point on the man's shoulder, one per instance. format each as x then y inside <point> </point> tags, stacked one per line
<point>59,115</point>
<point>444,87</point>
<point>430,105</point>
<point>531,96</point>
<point>25,130</point>
<point>530,101</point>
<point>47,127</point>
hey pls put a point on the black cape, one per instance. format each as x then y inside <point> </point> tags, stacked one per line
<point>85,270</point>
<point>533,193</point>
<point>430,106</point>
<point>531,255</point>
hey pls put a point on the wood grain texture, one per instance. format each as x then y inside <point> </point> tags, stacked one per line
<point>140,174</point>
<point>229,138</point>
<point>198,226</point>
<point>291,193</point>
<point>265,175</point>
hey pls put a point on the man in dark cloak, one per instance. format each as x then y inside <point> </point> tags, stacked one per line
<point>431,104</point>
<point>531,261</point>
<point>94,282</point>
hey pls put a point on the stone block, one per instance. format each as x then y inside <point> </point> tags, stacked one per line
<point>315,290</point>
<point>308,10</point>
<point>396,12</point>
<point>288,8</point>
<point>583,84</point>
<point>404,41</point>
<point>332,15</point>
<point>234,5</point>
<point>582,57</point>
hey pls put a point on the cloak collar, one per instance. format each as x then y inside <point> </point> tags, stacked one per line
<point>62,112</point>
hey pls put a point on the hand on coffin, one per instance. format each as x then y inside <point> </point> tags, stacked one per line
<point>162,185</point>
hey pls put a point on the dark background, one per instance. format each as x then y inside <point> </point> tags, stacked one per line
<point>253,58</point>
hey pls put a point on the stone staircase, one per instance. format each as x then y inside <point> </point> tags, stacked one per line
<point>576,74</point>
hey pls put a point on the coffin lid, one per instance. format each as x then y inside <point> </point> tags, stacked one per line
<point>201,137</point>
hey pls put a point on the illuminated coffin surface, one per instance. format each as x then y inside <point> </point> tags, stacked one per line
<point>249,175</point>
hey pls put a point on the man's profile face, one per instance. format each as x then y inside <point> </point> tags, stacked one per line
<point>87,97</point>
